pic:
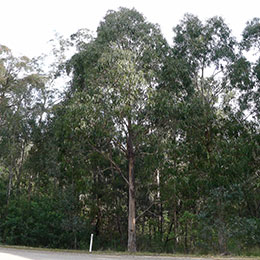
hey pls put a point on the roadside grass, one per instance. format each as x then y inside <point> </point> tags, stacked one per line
<point>253,252</point>
<point>249,255</point>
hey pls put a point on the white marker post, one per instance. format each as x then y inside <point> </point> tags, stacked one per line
<point>91,243</point>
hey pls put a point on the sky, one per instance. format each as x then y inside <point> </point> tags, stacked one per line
<point>28,25</point>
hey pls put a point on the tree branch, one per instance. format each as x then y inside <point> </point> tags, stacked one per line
<point>146,210</point>
<point>121,147</point>
<point>111,160</point>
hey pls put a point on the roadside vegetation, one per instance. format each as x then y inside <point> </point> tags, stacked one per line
<point>151,146</point>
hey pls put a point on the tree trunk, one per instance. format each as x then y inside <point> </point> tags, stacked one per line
<point>221,228</point>
<point>131,208</point>
<point>222,242</point>
<point>175,241</point>
<point>9,187</point>
<point>131,213</point>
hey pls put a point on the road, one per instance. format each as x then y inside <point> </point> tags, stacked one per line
<point>25,254</point>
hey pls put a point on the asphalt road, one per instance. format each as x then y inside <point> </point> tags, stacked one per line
<point>24,254</point>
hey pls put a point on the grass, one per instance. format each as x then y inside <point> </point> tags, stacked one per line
<point>250,255</point>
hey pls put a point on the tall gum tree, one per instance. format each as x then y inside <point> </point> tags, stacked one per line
<point>251,69</point>
<point>198,75</point>
<point>114,78</point>
<point>21,93</point>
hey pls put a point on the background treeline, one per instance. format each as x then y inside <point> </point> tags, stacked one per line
<point>152,146</point>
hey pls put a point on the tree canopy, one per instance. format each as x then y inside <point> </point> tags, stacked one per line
<point>153,146</point>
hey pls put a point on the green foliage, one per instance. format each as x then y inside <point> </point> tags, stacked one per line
<point>187,115</point>
<point>31,223</point>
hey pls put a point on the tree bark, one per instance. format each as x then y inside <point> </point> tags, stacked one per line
<point>221,228</point>
<point>131,213</point>
<point>132,205</point>
<point>9,187</point>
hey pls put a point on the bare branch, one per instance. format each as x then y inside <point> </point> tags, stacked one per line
<point>105,155</point>
<point>146,210</point>
<point>121,147</point>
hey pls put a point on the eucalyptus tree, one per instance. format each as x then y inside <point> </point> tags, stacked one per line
<point>114,77</point>
<point>202,75</point>
<point>251,70</point>
<point>250,102</point>
<point>21,89</point>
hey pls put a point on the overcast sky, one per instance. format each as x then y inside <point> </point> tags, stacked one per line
<point>27,25</point>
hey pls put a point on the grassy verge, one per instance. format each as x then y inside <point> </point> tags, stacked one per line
<point>213,257</point>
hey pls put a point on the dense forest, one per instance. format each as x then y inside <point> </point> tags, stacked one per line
<point>150,146</point>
